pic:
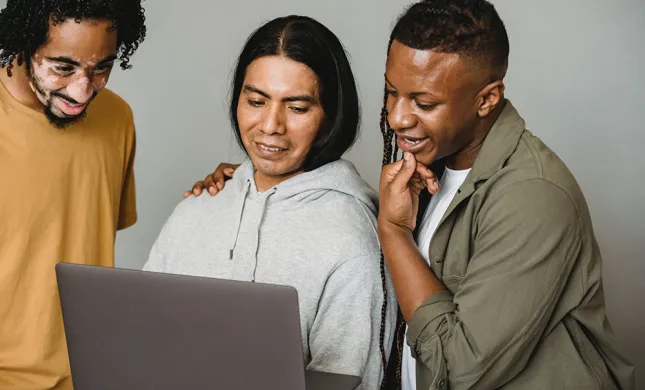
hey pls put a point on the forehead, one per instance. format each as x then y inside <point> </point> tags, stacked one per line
<point>88,40</point>
<point>425,70</point>
<point>281,76</point>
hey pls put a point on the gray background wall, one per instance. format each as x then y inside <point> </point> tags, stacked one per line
<point>577,75</point>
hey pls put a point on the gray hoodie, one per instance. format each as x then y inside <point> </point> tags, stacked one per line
<point>316,232</point>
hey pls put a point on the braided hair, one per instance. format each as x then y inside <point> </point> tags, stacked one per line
<point>24,25</point>
<point>470,28</point>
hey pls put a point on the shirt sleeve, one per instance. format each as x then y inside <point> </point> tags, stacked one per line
<point>128,204</point>
<point>528,238</point>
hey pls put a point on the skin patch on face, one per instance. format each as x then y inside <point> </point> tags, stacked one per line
<point>72,67</point>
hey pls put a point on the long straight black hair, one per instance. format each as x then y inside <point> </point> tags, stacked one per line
<point>309,42</point>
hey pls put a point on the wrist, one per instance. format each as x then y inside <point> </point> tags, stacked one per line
<point>389,231</point>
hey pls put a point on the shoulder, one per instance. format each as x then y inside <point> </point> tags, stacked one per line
<point>535,176</point>
<point>530,201</point>
<point>345,223</point>
<point>109,100</point>
<point>109,109</point>
<point>196,208</point>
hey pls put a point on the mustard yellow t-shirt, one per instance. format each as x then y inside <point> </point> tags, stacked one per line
<point>63,196</point>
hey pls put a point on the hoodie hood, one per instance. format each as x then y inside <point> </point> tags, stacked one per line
<point>340,176</point>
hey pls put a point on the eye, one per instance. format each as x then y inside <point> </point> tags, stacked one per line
<point>103,69</point>
<point>299,110</point>
<point>390,92</point>
<point>426,107</point>
<point>63,69</point>
<point>255,103</point>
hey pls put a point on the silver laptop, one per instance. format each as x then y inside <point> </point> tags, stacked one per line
<point>136,330</point>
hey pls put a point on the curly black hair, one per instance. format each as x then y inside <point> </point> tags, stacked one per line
<point>24,25</point>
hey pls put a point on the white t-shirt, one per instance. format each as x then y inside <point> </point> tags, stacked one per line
<point>450,183</point>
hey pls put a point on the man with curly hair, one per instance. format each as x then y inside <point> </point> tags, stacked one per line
<point>67,149</point>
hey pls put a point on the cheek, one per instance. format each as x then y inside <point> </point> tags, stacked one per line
<point>49,82</point>
<point>303,130</point>
<point>246,120</point>
<point>99,83</point>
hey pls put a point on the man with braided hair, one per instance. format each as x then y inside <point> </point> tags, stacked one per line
<point>67,149</point>
<point>497,273</point>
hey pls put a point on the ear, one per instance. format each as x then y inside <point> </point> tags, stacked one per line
<point>490,97</point>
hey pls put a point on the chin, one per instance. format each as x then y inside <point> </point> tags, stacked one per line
<point>267,168</point>
<point>63,122</point>
<point>426,158</point>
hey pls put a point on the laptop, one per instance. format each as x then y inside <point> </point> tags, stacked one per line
<point>137,330</point>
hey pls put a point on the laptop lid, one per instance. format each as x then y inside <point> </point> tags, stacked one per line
<point>130,330</point>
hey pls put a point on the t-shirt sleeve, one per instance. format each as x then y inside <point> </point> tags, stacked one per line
<point>128,204</point>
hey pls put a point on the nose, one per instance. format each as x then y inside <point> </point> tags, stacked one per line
<point>80,90</point>
<point>273,120</point>
<point>400,115</point>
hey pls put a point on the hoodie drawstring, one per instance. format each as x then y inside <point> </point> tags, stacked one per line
<point>236,231</point>
<point>257,242</point>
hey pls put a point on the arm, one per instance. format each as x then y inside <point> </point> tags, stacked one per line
<point>401,184</point>
<point>128,202</point>
<point>344,337</point>
<point>166,242</point>
<point>413,280</point>
<point>528,238</point>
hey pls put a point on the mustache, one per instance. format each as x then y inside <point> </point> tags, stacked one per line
<point>69,99</point>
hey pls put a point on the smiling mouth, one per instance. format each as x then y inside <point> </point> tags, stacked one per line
<point>412,144</point>
<point>412,141</point>
<point>270,148</point>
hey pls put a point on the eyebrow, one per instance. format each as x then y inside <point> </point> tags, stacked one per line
<point>297,98</point>
<point>413,94</point>
<point>69,61</point>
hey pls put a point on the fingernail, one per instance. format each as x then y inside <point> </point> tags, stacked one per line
<point>211,190</point>
<point>406,156</point>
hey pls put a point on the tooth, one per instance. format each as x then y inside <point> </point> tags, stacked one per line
<point>270,149</point>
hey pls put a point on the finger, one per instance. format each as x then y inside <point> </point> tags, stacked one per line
<point>210,182</point>
<point>432,183</point>
<point>198,188</point>
<point>388,173</point>
<point>403,176</point>
<point>218,178</point>
<point>229,172</point>
<point>417,184</point>
<point>187,194</point>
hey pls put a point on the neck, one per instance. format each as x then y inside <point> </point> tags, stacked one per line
<point>465,158</point>
<point>264,182</point>
<point>19,87</point>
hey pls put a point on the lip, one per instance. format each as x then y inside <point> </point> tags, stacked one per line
<point>70,109</point>
<point>411,148</point>
<point>269,154</point>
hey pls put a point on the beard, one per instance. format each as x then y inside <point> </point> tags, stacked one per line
<point>59,122</point>
<point>62,123</point>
